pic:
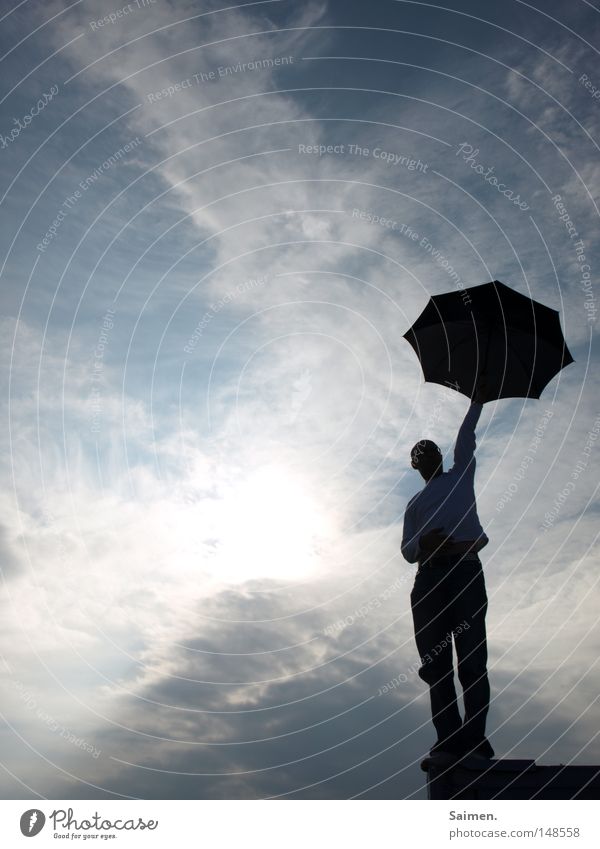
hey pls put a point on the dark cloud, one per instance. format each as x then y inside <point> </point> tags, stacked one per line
<point>271,689</point>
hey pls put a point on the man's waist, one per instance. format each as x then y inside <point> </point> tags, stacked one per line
<point>442,564</point>
<point>459,550</point>
<point>464,546</point>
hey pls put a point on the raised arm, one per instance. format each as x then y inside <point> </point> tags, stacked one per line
<point>464,450</point>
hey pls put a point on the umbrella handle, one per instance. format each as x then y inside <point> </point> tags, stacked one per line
<point>482,371</point>
<point>483,368</point>
<point>487,348</point>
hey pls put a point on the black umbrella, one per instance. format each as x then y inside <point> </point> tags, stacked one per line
<point>515,342</point>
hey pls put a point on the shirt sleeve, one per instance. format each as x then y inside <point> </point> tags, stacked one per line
<point>410,535</point>
<point>464,450</point>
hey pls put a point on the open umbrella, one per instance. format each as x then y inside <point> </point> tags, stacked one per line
<point>515,342</point>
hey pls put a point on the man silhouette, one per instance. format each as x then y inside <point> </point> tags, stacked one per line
<point>442,533</point>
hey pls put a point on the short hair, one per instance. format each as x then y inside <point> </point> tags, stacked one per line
<point>421,447</point>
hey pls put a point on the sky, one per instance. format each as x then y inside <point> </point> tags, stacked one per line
<point>217,223</point>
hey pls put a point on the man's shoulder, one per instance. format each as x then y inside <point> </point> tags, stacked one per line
<point>412,501</point>
<point>461,471</point>
<point>417,496</point>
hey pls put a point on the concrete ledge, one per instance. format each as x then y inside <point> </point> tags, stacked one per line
<point>511,779</point>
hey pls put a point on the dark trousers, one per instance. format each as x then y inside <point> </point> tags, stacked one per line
<point>449,601</point>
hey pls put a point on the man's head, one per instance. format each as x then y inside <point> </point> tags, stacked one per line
<point>426,458</point>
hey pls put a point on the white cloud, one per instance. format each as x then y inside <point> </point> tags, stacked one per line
<point>209,520</point>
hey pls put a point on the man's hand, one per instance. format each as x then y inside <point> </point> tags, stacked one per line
<point>435,540</point>
<point>479,393</point>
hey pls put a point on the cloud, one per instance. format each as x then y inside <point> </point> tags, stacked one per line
<point>202,573</point>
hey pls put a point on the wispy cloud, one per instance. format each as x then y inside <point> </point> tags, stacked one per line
<point>198,487</point>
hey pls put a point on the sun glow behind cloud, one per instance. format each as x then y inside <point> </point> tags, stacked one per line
<point>268,525</point>
<point>269,484</point>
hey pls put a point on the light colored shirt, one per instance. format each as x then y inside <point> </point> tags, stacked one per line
<point>448,500</point>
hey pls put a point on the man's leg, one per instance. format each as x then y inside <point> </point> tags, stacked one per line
<point>468,622</point>
<point>433,635</point>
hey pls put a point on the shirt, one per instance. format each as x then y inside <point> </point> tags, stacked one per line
<point>448,500</point>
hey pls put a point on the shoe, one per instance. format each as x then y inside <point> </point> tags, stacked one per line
<point>483,750</point>
<point>439,760</point>
<point>477,757</point>
<point>450,746</point>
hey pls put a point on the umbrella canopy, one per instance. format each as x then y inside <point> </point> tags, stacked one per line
<point>515,342</point>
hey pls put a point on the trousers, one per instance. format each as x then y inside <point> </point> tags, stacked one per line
<point>449,605</point>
